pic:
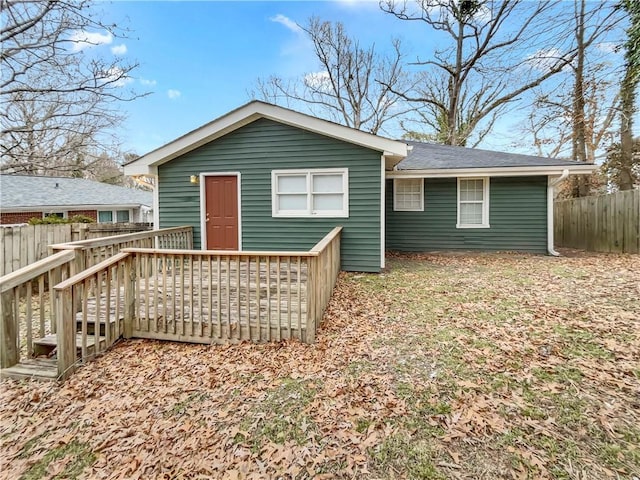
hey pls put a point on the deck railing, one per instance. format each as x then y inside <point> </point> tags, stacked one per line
<point>196,296</point>
<point>96,250</point>
<point>27,310</point>
<point>27,307</point>
<point>92,308</point>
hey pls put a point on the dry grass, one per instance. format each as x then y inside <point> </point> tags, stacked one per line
<point>483,366</point>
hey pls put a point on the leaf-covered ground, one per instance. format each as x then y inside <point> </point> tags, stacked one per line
<point>483,366</point>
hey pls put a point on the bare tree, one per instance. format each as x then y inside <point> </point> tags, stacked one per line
<point>59,98</point>
<point>488,55</point>
<point>354,86</point>
<point>574,118</point>
<point>625,176</point>
<point>550,122</point>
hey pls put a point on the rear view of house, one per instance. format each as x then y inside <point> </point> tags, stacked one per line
<point>263,177</point>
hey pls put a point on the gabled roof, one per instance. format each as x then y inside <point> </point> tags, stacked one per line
<point>250,112</point>
<point>24,191</point>
<point>430,158</point>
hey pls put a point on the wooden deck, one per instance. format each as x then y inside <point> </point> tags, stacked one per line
<point>217,301</point>
<point>182,303</point>
<point>179,295</point>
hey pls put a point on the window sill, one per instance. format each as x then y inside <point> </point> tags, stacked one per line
<point>308,215</point>
<point>473,226</point>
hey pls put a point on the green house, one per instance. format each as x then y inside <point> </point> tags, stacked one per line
<point>263,177</point>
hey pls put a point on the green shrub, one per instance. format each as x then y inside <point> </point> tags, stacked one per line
<point>57,220</point>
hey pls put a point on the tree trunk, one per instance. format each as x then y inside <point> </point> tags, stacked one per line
<point>627,95</point>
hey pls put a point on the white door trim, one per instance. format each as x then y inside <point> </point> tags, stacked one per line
<point>203,206</point>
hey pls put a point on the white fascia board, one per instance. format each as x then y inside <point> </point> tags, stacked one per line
<point>38,208</point>
<point>247,114</point>
<point>493,172</point>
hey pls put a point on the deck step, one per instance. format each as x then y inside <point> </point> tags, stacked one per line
<point>101,324</point>
<point>52,340</point>
<point>46,345</point>
<point>35,368</point>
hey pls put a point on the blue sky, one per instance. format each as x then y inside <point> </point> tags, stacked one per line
<point>200,59</point>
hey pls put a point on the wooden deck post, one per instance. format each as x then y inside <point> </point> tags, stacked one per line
<point>129,296</point>
<point>312,299</point>
<point>66,332</point>
<point>9,354</point>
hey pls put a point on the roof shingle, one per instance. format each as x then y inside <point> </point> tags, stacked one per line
<point>17,191</point>
<point>427,156</point>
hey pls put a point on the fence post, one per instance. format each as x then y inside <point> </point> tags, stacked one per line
<point>9,354</point>
<point>66,332</point>
<point>129,295</point>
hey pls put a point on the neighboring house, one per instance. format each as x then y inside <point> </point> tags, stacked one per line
<point>264,177</point>
<point>24,197</point>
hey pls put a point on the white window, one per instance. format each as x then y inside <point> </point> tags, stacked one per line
<point>473,202</point>
<point>114,216</point>
<point>310,193</point>
<point>408,194</point>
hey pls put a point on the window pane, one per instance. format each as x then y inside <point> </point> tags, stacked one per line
<point>122,215</point>
<point>105,217</point>
<point>471,190</point>
<point>330,183</point>
<point>409,185</point>
<point>471,213</point>
<point>292,183</point>
<point>292,202</point>
<point>326,202</point>
<point>408,194</point>
<point>54,214</point>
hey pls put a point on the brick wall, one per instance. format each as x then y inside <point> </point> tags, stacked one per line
<point>87,213</point>
<point>7,218</point>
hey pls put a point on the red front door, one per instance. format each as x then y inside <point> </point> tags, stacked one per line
<point>221,207</point>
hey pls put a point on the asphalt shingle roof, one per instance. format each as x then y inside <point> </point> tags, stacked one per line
<point>32,191</point>
<point>427,156</point>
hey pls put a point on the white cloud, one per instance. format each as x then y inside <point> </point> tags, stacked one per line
<point>318,81</point>
<point>119,49</point>
<point>117,76</point>
<point>483,15</point>
<point>608,47</point>
<point>82,39</point>
<point>287,22</point>
<point>544,59</point>
<point>148,83</point>
<point>174,94</point>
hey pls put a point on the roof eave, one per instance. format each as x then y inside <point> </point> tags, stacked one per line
<point>30,208</point>
<point>494,171</point>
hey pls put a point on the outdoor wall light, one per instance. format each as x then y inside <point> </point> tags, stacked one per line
<point>195,179</point>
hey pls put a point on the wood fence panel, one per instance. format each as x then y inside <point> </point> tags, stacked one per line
<point>607,223</point>
<point>23,245</point>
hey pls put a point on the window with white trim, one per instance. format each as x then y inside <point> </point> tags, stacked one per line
<point>473,202</point>
<point>408,194</point>
<point>310,193</point>
<point>114,216</point>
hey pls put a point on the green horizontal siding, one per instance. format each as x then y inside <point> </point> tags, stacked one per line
<point>517,216</point>
<point>255,150</point>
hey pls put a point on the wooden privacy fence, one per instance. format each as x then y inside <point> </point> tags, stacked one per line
<point>195,296</point>
<point>28,310</point>
<point>607,223</point>
<point>23,245</point>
